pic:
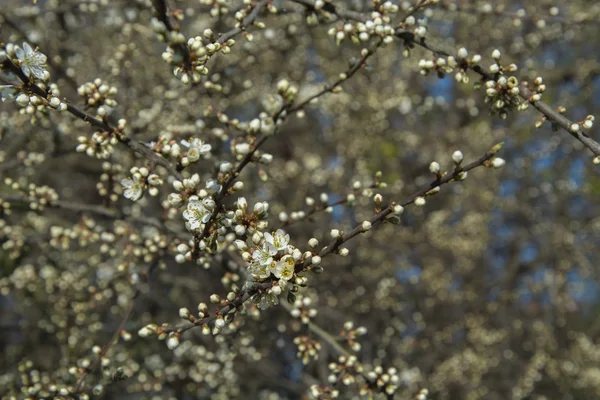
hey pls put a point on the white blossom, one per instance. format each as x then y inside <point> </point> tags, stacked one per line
<point>32,62</point>
<point>133,188</point>
<point>196,214</point>
<point>279,240</point>
<point>284,268</point>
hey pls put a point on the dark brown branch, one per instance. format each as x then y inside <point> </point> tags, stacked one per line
<point>104,125</point>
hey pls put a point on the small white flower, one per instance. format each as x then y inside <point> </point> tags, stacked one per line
<point>133,188</point>
<point>32,62</point>
<point>285,268</point>
<point>259,271</point>
<point>279,240</point>
<point>196,214</point>
<point>272,103</point>
<point>263,255</point>
<point>198,145</point>
<point>213,186</point>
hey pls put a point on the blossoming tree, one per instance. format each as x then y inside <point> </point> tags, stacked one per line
<point>239,199</point>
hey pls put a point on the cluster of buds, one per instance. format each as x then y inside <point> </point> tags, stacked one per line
<point>38,196</point>
<point>246,223</point>
<point>83,232</point>
<point>538,88</point>
<point>4,208</point>
<point>350,335</point>
<point>106,184</point>
<point>447,65</point>
<point>102,142</point>
<point>13,239</point>
<point>98,94</point>
<point>301,309</point>
<point>344,370</point>
<point>378,26</point>
<point>307,348</point>
<point>32,103</point>
<point>586,124</point>
<point>502,92</point>
<point>381,381</point>
<point>190,58</point>
<point>218,7</point>
<point>141,179</point>
<point>324,392</point>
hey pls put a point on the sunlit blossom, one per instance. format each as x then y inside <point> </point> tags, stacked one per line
<point>32,62</point>
<point>133,188</point>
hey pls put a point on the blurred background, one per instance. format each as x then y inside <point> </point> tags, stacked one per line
<point>489,291</point>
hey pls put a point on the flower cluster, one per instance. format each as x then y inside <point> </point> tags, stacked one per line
<point>197,213</point>
<point>99,94</point>
<point>379,25</point>
<point>32,62</point>
<point>273,258</point>
<point>196,149</point>
<point>141,178</point>
<point>350,335</point>
<point>447,65</point>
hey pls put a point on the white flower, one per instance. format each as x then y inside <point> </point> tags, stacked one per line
<point>133,188</point>
<point>196,214</point>
<point>32,62</point>
<point>273,103</point>
<point>197,146</point>
<point>267,300</point>
<point>258,270</point>
<point>213,186</point>
<point>284,268</point>
<point>279,240</point>
<point>263,256</point>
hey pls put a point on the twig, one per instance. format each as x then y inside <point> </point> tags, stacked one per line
<point>103,124</point>
<point>246,22</point>
<point>525,93</point>
<point>378,218</point>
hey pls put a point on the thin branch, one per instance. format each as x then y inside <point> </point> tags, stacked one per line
<point>86,208</point>
<point>103,124</point>
<point>454,7</point>
<point>249,20</point>
<point>260,141</point>
<point>525,93</point>
<point>378,218</point>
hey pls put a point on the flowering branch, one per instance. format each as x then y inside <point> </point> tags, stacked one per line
<point>246,22</point>
<point>410,38</point>
<point>239,298</point>
<point>103,124</point>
